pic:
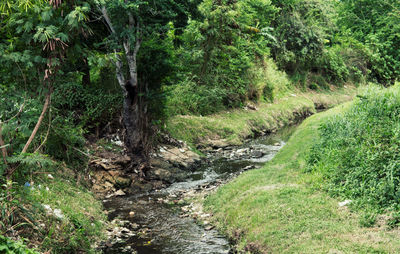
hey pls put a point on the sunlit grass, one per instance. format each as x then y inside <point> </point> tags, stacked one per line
<point>237,124</point>
<point>277,209</point>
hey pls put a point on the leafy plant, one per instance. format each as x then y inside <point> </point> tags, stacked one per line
<point>367,219</point>
<point>18,247</point>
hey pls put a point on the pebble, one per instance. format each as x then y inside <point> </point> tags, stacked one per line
<point>345,203</point>
<point>208,228</point>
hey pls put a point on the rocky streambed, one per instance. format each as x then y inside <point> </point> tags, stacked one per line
<point>162,217</point>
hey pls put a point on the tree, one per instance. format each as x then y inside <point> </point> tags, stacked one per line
<point>35,37</point>
<point>130,24</point>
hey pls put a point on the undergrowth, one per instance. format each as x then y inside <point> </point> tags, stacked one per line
<point>358,154</point>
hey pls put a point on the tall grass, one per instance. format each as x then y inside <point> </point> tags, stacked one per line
<point>358,155</point>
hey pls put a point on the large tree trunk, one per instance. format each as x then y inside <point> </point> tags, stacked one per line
<point>132,119</point>
<point>132,113</point>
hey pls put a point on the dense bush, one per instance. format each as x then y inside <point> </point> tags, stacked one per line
<point>358,153</point>
<point>375,23</point>
<point>225,52</point>
<point>90,106</point>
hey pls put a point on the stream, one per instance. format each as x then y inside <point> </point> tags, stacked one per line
<point>154,221</point>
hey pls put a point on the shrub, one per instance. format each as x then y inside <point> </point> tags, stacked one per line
<point>358,153</point>
<point>92,106</point>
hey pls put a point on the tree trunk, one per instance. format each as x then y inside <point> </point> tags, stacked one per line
<point>132,115</point>
<point>132,119</point>
<point>39,122</point>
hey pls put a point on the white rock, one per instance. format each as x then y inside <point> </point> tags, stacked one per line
<point>117,142</point>
<point>48,208</point>
<point>50,176</point>
<point>119,193</point>
<point>58,214</point>
<point>345,203</point>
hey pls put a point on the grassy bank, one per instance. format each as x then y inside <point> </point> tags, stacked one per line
<point>232,127</point>
<point>53,212</point>
<point>277,209</point>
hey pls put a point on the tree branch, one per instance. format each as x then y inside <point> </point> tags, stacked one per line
<point>131,57</point>
<point>118,62</point>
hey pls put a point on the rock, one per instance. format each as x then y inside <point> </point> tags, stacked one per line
<point>345,203</point>
<point>108,185</point>
<point>159,163</point>
<point>58,214</point>
<point>50,176</point>
<point>242,151</point>
<point>114,173</point>
<point>122,160</point>
<point>208,228</point>
<point>119,193</point>
<point>257,154</point>
<point>277,144</point>
<point>122,182</point>
<point>248,167</point>
<point>251,106</point>
<point>219,143</point>
<point>162,174</point>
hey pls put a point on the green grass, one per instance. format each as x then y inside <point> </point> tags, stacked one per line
<point>277,209</point>
<point>83,223</point>
<point>357,154</point>
<point>234,126</point>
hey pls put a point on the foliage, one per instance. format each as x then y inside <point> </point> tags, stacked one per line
<point>91,106</point>
<point>358,151</point>
<point>18,247</point>
<point>226,52</point>
<point>375,24</point>
<point>10,208</point>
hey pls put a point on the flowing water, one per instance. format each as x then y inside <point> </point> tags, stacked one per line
<point>160,227</point>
